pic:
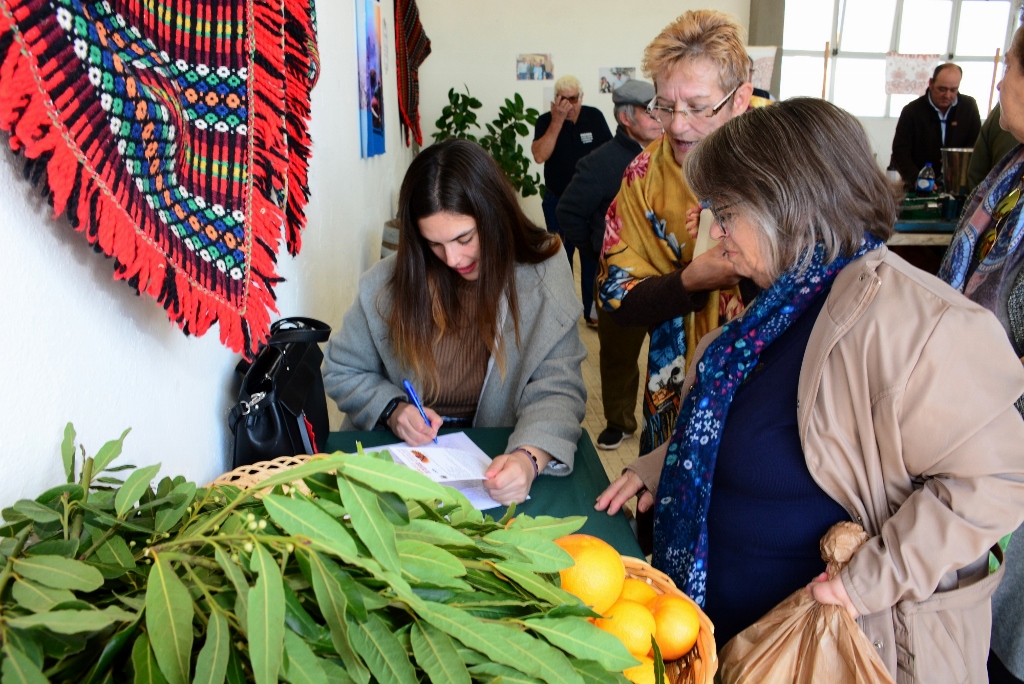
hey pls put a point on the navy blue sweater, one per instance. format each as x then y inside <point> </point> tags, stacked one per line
<point>767,513</point>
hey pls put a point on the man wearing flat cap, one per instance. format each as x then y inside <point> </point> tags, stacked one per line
<point>581,213</point>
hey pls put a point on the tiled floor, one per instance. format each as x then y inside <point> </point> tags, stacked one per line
<point>594,423</point>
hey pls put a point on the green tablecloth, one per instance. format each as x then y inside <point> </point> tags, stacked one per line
<point>557,496</point>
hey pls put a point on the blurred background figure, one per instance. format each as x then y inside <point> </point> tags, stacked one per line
<point>942,117</point>
<point>985,261</point>
<point>994,142</point>
<point>563,136</point>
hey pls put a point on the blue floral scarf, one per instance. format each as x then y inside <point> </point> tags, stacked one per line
<point>684,493</point>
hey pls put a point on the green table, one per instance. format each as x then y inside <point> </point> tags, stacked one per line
<point>922,233</point>
<point>556,496</point>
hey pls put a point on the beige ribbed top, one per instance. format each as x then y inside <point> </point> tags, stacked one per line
<point>461,357</point>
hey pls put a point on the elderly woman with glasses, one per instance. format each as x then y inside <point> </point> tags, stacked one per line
<point>648,275</point>
<point>841,393</point>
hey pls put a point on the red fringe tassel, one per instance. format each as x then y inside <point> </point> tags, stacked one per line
<point>280,108</point>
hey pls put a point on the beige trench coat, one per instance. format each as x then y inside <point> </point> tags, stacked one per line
<point>906,417</point>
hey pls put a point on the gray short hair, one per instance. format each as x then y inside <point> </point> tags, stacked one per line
<point>628,110</point>
<point>805,172</point>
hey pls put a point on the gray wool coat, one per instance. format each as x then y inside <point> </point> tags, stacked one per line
<point>541,395</point>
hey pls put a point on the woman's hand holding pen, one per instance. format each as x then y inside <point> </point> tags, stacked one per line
<point>407,424</point>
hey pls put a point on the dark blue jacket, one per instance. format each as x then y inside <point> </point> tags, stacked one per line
<point>582,206</point>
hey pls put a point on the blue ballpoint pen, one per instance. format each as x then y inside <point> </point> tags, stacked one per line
<point>416,402</point>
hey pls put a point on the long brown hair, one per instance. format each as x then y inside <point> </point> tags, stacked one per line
<point>457,177</point>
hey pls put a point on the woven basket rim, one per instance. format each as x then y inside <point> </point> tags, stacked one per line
<point>248,476</point>
<point>706,662</point>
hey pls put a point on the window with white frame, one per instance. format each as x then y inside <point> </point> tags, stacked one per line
<point>859,33</point>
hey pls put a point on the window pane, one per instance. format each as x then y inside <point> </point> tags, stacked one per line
<point>807,25</point>
<point>801,76</point>
<point>867,25</point>
<point>925,27</point>
<point>860,86</point>
<point>898,102</point>
<point>977,82</point>
<point>982,27</point>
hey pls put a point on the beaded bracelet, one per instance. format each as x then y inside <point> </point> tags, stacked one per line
<point>533,460</point>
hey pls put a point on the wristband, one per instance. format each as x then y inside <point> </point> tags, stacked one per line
<point>533,460</point>
<point>388,410</point>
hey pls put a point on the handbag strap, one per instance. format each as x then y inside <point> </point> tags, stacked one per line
<point>309,330</point>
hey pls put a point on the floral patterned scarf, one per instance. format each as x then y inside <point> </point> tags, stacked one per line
<point>646,236</point>
<point>684,493</point>
<point>996,269</point>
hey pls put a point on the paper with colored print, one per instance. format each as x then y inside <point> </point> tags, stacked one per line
<point>455,461</point>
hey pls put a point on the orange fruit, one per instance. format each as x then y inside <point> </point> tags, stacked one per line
<point>642,673</point>
<point>637,590</point>
<point>677,625</point>
<point>597,577</point>
<point>632,623</point>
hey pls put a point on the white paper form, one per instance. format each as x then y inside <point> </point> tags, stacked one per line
<point>455,461</point>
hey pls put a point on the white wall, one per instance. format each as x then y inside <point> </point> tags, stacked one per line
<point>79,346</point>
<point>475,42</point>
<point>880,130</point>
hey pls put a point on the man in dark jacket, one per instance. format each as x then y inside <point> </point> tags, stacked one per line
<point>942,117</point>
<point>581,213</point>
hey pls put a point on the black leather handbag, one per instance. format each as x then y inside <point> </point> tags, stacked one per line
<point>282,407</point>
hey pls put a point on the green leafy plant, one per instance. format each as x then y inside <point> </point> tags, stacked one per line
<point>457,117</point>
<point>347,568</point>
<point>502,138</point>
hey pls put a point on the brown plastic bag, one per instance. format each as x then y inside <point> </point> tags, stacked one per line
<point>801,641</point>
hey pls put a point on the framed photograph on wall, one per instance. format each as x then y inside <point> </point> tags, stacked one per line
<point>610,78</point>
<point>369,39</point>
<point>534,67</point>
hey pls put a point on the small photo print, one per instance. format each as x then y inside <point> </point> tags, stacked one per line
<point>534,67</point>
<point>610,78</point>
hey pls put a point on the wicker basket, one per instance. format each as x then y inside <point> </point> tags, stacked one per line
<point>701,663</point>
<point>245,477</point>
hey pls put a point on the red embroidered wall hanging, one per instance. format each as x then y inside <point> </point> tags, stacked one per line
<point>174,133</point>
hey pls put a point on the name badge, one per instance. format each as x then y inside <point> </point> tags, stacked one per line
<point>586,138</point>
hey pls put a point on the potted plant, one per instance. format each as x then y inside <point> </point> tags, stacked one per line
<point>501,139</point>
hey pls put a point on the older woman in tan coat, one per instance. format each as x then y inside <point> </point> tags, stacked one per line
<point>842,393</point>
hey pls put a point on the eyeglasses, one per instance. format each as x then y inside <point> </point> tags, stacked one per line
<point>646,110</point>
<point>667,114</point>
<point>573,100</point>
<point>720,218</point>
